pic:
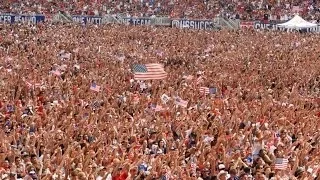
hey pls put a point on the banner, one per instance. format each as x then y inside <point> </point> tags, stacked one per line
<point>265,25</point>
<point>101,20</point>
<point>136,21</point>
<point>247,24</point>
<point>314,29</point>
<point>271,25</point>
<point>10,18</point>
<point>193,24</point>
<point>161,21</point>
<point>87,19</point>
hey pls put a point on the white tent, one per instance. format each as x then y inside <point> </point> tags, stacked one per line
<point>297,23</point>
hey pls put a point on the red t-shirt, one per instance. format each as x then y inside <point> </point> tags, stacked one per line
<point>122,176</point>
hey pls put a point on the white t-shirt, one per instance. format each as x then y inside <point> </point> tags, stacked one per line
<point>109,177</point>
<point>257,146</point>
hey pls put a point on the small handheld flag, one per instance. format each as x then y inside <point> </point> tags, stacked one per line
<point>206,90</point>
<point>94,87</point>
<point>165,98</point>
<point>156,108</point>
<point>180,102</point>
<point>281,163</point>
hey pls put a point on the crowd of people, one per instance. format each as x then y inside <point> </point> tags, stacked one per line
<point>195,9</point>
<point>71,108</point>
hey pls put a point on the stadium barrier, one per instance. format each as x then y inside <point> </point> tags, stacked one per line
<point>22,18</point>
<point>271,26</point>
<point>206,24</point>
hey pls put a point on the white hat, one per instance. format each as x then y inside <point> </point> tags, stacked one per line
<point>76,66</point>
<point>221,166</point>
<point>100,168</point>
<point>221,173</point>
<point>4,176</point>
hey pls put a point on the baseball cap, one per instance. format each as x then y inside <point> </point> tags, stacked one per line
<point>221,166</point>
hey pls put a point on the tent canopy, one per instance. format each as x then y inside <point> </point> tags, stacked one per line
<point>297,23</point>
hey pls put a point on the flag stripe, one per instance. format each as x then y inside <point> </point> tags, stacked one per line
<point>204,90</point>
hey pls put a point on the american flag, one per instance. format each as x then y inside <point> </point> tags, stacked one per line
<point>281,163</point>
<point>95,87</point>
<point>156,108</point>
<point>180,102</point>
<point>165,98</point>
<point>206,90</point>
<point>149,71</point>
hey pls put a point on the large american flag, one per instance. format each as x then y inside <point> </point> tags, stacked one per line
<point>206,90</point>
<point>281,163</point>
<point>148,71</point>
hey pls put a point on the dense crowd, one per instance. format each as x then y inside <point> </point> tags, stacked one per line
<point>71,109</point>
<point>196,9</point>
